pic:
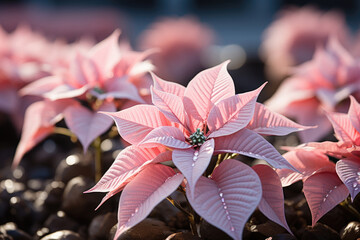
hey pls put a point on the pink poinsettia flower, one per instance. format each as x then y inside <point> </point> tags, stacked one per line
<point>347,131</point>
<point>180,55</point>
<point>195,123</point>
<point>294,36</point>
<point>322,187</point>
<point>100,79</point>
<point>320,85</point>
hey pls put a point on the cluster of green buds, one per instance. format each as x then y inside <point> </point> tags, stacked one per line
<point>197,138</point>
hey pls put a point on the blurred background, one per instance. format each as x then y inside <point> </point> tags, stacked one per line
<point>237,25</point>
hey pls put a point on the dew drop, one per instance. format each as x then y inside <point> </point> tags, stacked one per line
<point>358,173</point>
<point>228,217</point>
<point>132,214</point>
<point>324,199</point>
<point>356,189</point>
<point>354,184</point>
<point>196,153</point>
<point>136,210</point>
<point>327,195</point>
<point>221,194</point>
<point>335,187</point>
<point>193,164</point>
<point>194,158</point>
<point>330,191</point>
<point>232,229</point>
<point>225,207</point>
<point>222,200</point>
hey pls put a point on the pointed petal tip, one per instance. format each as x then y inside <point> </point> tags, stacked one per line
<point>116,33</point>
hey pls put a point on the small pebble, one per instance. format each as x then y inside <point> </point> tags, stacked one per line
<point>350,231</point>
<point>182,236</point>
<point>73,166</point>
<point>320,232</point>
<point>101,225</point>
<point>209,232</point>
<point>63,235</point>
<point>60,221</point>
<point>149,229</point>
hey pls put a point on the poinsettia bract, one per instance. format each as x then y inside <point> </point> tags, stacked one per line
<point>193,124</point>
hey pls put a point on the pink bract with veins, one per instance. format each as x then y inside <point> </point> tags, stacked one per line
<point>320,85</point>
<point>322,187</point>
<point>102,77</point>
<point>193,124</point>
<point>347,149</point>
<point>295,34</point>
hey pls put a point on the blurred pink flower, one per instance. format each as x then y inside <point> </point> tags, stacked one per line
<point>293,37</point>
<point>181,42</point>
<point>99,79</point>
<point>320,85</point>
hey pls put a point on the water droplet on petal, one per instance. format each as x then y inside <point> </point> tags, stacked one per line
<point>356,189</point>
<point>222,199</point>
<point>354,184</point>
<point>193,164</point>
<point>335,187</point>
<point>358,173</point>
<point>225,207</point>
<point>194,158</point>
<point>232,229</point>
<point>324,199</point>
<point>136,210</point>
<point>228,217</point>
<point>196,153</point>
<point>221,194</point>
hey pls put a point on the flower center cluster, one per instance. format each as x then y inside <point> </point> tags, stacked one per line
<point>197,138</point>
<point>98,90</point>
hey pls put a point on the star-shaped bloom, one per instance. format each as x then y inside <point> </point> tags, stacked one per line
<point>195,123</point>
<point>99,79</point>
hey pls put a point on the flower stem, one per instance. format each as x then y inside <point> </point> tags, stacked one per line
<point>346,204</point>
<point>65,132</point>
<point>97,146</point>
<point>176,204</point>
<point>113,132</point>
<point>194,218</point>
